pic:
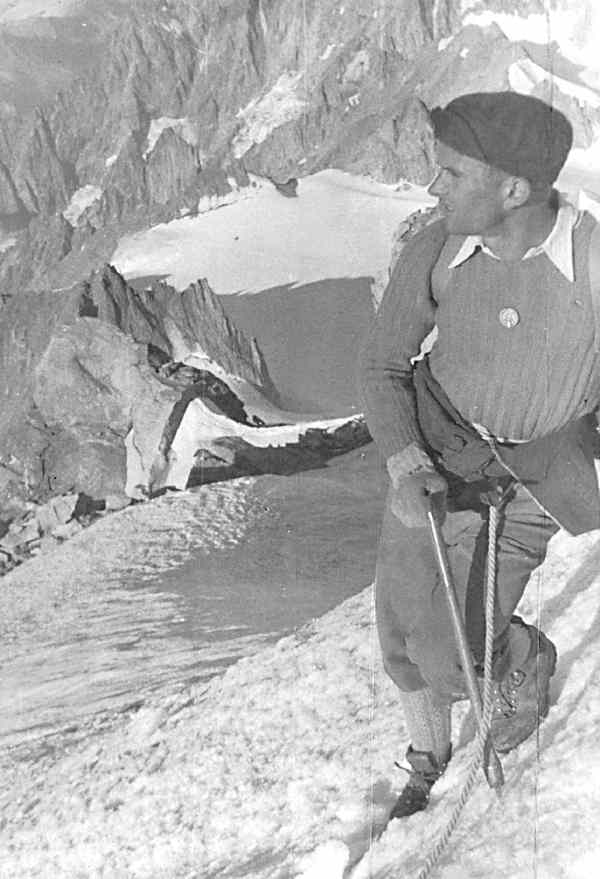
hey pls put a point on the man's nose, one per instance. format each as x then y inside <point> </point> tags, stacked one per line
<point>435,187</point>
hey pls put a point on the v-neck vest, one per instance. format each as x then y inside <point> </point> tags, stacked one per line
<point>515,350</point>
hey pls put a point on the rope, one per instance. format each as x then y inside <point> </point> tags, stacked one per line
<point>483,732</point>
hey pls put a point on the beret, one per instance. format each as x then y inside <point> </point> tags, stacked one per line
<point>516,133</point>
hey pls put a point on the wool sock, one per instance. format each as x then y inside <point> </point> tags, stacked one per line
<point>428,718</point>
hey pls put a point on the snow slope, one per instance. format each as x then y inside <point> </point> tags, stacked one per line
<point>66,613</point>
<point>176,589</point>
<point>281,767</point>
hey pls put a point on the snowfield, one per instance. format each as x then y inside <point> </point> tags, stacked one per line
<point>339,226</point>
<point>174,590</point>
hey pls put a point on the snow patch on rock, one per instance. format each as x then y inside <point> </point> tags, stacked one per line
<point>358,68</point>
<point>263,115</point>
<point>186,128</point>
<point>445,42</point>
<point>7,242</point>
<point>172,26</point>
<point>81,201</point>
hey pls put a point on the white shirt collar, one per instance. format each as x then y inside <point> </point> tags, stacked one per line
<point>558,246</point>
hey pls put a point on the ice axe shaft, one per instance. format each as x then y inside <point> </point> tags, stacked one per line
<point>492,765</point>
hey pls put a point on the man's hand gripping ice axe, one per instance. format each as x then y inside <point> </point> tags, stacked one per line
<point>482,710</point>
<point>418,494</point>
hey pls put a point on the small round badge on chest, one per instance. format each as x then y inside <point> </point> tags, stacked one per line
<point>509,317</point>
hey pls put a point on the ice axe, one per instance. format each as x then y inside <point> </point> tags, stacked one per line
<point>491,763</point>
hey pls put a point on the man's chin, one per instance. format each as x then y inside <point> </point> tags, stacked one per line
<point>454,225</point>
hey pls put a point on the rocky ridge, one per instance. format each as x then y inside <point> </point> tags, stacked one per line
<point>97,380</point>
<point>164,65</point>
<point>163,122</point>
<point>86,367</point>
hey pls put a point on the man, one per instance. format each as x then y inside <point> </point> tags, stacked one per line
<point>499,413</point>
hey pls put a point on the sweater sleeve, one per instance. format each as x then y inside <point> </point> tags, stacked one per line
<point>405,317</point>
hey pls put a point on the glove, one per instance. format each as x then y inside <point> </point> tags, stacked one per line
<point>413,478</point>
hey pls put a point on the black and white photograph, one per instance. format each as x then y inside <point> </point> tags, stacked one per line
<point>299,439</point>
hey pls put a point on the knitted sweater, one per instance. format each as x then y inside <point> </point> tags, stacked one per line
<point>520,381</point>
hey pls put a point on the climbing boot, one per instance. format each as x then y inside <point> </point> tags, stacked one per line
<point>425,771</point>
<point>521,694</point>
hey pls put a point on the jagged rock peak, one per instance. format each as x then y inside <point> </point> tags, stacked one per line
<point>181,324</point>
<point>162,119</point>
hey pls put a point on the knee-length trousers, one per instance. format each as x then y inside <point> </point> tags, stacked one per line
<point>414,626</point>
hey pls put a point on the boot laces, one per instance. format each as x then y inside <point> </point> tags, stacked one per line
<point>506,693</point>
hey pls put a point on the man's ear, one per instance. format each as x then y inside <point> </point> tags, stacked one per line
<point>516,191</point>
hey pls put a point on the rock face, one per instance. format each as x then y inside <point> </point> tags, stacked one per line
<point>43,245</point>
<point>202,383</point>
<point>90,385</point>
<point>42,179</point>
<point>166,63</point>
<point>45,525</point>
<point>93,384</point>
<point>233,456</point>
<point>172,169</point>
<point>178,323</point>
<point>10,203</point>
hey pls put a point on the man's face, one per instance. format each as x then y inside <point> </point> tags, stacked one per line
<point>469,193</point>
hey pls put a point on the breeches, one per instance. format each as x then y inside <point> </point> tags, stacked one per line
<point>413,621</point>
